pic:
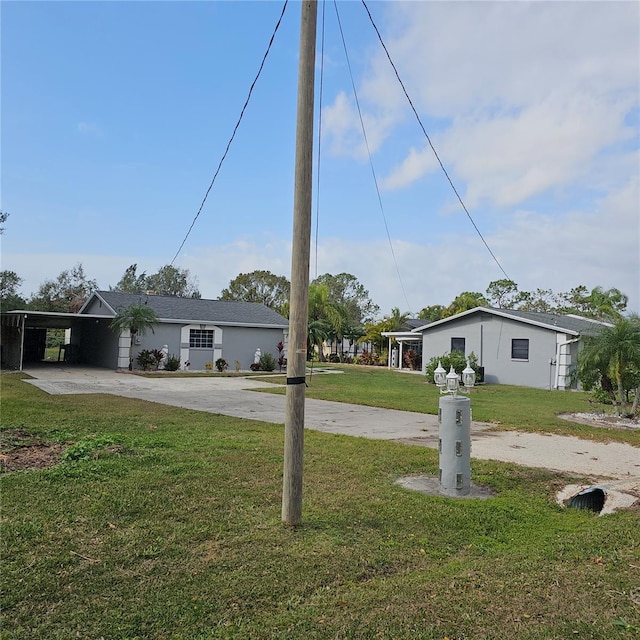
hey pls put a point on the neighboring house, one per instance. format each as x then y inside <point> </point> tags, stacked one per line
<point>513,347</point>
<point>195,330</point>
<point>403,341</point>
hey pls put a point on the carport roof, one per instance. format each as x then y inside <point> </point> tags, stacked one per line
<point>47,319</point>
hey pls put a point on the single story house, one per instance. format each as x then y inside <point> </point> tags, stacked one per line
<point>195,330</point>
<point>525,348</point>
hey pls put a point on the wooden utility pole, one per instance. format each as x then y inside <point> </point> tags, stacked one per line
<point>299,298</point>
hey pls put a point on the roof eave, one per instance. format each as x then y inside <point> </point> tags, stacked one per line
<point>502,314</point>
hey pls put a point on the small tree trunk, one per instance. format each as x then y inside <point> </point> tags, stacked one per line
<point>621,403</point>
<point>636,400</point>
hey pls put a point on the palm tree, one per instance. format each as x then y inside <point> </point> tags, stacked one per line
<point>326,318</point>
<point>317,332</point>
<point>137,319</point>
<point>396,321</point>
<point>615,352</point>
<point>353,333</point>
<point>607,304</point>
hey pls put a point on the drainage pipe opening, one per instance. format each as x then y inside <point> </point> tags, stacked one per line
<point>592,499</point>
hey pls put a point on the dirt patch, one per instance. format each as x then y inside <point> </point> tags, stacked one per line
<point>20,450</point>
<point>602,420</point>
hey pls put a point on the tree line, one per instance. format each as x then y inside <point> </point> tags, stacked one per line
<point>597,303</point>
<point>342,312</point>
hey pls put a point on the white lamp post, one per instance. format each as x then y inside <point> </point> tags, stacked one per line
<point>454,417</point>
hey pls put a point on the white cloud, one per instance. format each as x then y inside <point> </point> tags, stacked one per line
<point>412,168</point>
<point>553,143</point>
<point>596,247</point>
<point>465,56</point>
<point>343,129</point>
<point>527,96</point>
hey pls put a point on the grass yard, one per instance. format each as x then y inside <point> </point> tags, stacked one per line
<point>163,523</point>
<point>508,407</point>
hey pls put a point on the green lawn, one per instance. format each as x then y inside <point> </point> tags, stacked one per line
<point>165,524</point>
<point>506,406</point>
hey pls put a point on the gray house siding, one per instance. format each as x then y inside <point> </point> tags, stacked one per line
<point>240,343</point>
<point>95,305</point>
<point>490,338</point>
<point>162,334</point>
<point>96,344</point>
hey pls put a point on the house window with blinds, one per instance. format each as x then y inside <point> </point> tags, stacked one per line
<point>458,344</point>
<point>201,338</point>
<point>520,349</point>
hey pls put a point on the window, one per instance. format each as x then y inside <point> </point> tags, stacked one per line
<point>520,349</point>
<point>201,338</point>
<point>457,344</point>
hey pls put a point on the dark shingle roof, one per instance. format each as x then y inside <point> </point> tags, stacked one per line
<point>557,321</point>
<point>413,323</point>
<point>583,326</point>
<point>197,310</point>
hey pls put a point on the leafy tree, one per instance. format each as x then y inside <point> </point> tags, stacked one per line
<point>432,313</point>
<point>541,300</point>
<point>10,299</point>
<point>137,319</point>
<point>502,293</point>
<point>607,304</point>
<point>168,281</point>
<point>373,335</point>
<point>260,286</point>
<point>131,282</point>
<point>614,353</point>
<point>171,281</point>
<point>465,301</point>
<point>344,290</point>
<point>574,301</point>
<point>67,293</point>
<point>598,303</point>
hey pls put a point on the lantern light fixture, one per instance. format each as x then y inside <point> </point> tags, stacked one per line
<point>440,376</point>
<point>450,382</point>
<point>468,376</point>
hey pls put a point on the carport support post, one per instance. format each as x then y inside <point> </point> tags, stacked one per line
<point>299,297</point>
<point>454,418</point>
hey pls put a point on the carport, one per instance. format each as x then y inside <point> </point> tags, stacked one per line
<point>23,338</point>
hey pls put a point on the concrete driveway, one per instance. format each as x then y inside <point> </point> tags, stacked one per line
<point>237,397</point>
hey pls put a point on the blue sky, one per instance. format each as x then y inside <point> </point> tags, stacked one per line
<point>116,114</point>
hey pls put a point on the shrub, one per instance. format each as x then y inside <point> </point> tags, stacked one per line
<point>282,361</point>
<point>221,364</point>
<point>172,363</point>
<point>413,359</point>
<point>455,358</point>
<point>267,362</point>
<point>368,358</point>
<point>147,359</point>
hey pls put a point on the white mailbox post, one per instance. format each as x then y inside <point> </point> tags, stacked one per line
<point>454,418</point>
